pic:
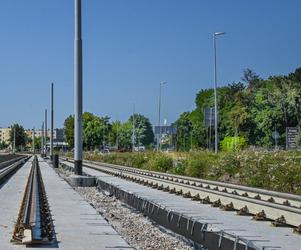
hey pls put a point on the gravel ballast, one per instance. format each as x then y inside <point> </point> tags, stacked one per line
<point>139,231</point>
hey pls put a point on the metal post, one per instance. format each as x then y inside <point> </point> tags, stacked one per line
<point>210,128</point>
<point>42,139</point>
<point>45,133</point>
<point>103,137</point>
<point>117,142</point>
<point>159,119</point>
<point>215,92</point>
<point>51,122</point>
<point>78,87</point>
<point>276,138</point>
<point>215,97</point>
<point>133,135</point>
<point>14,149</point>
<point>33,141</point>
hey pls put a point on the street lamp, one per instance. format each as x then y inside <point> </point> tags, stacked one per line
<point>78,87</point>
<point>133,129</point>
<point>51,122</point>
<point>159,120</point>
<point>215,89</point>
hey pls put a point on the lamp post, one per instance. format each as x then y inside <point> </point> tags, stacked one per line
<point>78,90</point>
<point>159,119</point>
<point>51,122</point>
<point>33,141</point>
<point>42,140</point>
<point>14,145</point>
<point>133,130</point>
<point>45,134</point>
<point>215,90</point>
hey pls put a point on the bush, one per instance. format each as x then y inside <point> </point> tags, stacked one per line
<point>160,162</point>
<point>279,171</point>
<point>232,144</point>
<point>228,164</point>
<point>197,164</point>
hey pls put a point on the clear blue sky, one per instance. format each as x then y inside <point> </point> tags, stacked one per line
<point>130,46</point>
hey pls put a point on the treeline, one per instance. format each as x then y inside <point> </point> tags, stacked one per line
<point>99,132</point>
<point>249,112</point>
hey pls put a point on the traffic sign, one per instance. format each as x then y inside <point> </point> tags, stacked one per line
<point>292,137</point>
<point>275,135</point>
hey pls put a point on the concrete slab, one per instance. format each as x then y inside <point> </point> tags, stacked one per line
<point>81,181</point>
<point>11,194</point>
<point>262,234</point>
<point>77,225</point>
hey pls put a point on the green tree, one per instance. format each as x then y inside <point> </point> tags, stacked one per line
<point>125,135</point>
<point>92,133</point>
<point>184,132</point>
<point>3,145</point>
<point>69,130</point>
<point>18,135</point>
<point>144,134</point>
<point>251,109</point>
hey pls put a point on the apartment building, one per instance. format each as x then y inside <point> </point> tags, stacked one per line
<point>58,133</point>
<point>4,135</point>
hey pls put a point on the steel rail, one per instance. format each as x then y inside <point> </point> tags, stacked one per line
<point>5,172</point>
<point>34,224</point>
<point>256,193</point>
<point>285,196</point>
<point>10,162</point>
<point>244,203</point>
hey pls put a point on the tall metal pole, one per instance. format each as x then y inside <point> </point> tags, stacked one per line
<point>33,141</point>
<point>215,92</point>
<point>133,135</point>
<point>51,122</point>
<point>14,149</point>
<point>78,91</point>
<point>159,119</point>
<point>117,142</point>
<point>215,98</point>
<point>45,133</point>
<point>42,139</point>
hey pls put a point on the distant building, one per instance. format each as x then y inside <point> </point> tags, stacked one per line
<point>58,134</point>
<point>4,135</point>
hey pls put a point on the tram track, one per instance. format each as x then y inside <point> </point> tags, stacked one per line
<point>34,224</point>
<point>9,167</point>
<point>282,209</point>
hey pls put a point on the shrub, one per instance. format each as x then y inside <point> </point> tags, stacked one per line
<point>197,164</point>
<point>160,162</point>
<point>231,144</point>
<point>279,171</point>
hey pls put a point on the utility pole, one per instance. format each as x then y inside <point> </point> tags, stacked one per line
<point>42,138</point>
<point>14,148</point>
<point>159,120</point>
<point>133,135</point>
<point>45,146</point>
<point>276,137</point>
<point>215,91</point>
<point>78,90</point>
<point>51,122</point>
<point>210,127</point>
<point>117,142</point>
<point>33,141</point>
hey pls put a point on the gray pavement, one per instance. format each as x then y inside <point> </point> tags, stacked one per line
<point>77,224</point>
<point>11,194</point>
